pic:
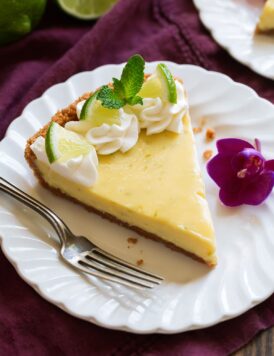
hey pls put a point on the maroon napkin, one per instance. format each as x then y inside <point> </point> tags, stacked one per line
<point>60,47</point>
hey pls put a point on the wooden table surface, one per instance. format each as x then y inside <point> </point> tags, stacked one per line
<point>262,345</point>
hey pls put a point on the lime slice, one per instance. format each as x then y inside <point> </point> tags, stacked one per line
<point>81,127</point>
<point>62,144</point>
<point>86,9</point>
<point>97,115</point>
<point>161,84</point>
<point>168,82</point>
<point>151,88</point>
<point>17,18</point>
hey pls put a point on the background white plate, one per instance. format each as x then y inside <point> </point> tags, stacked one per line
<point>192,296</point>
<point>232,24</point>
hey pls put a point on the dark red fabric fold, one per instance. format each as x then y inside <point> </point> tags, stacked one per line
<point>60,47</point>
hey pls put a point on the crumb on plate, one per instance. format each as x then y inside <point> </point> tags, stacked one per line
<point>197,129</point>
<point>207,154</point>
<point>140,262</point>
<point>132,240</point>
<point>210,134</point>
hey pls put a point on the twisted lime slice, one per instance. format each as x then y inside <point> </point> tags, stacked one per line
<point>161,84</point>
<point>62,144</point>
<point>97,115</point>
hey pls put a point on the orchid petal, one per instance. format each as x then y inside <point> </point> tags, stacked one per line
<point>257,191</point>
<point>230,195</point>
<point>232,145</point>
<point>269,165</point>
<point>250,160</point>
<point>258,145</point>
<point>220,170</point>
<point>241,172</point>
<point>252,192</point>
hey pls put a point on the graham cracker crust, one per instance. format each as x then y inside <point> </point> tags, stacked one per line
<point>258,31</point>
<point>62,117</point>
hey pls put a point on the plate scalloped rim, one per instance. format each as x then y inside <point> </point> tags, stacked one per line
<point>232,45</point>
<point>256,292</point>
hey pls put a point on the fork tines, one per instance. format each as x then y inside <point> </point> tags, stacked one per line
<point>107,266</point>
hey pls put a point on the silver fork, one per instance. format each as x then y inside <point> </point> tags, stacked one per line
<point>82,254</point>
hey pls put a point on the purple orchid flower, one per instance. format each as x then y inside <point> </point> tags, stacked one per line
<point>242,173</point>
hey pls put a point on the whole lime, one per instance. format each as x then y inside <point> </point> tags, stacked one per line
<point>19,17</point>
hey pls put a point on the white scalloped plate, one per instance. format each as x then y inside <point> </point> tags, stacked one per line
<point>232,24</point>
<point>192,296</point>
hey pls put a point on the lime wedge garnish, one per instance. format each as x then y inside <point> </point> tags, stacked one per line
<point>97,115</point>
<point>168,82</point>
<point>161,84</point>
<point>87,108</point>
<point>62,144</point>
<point>86,9</point>
<point>151,88</point>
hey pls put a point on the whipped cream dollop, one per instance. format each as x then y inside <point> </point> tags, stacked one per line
<point>107,138</point>
<point>79,107</point>
<point>157,114</point>
<point>82,169</point>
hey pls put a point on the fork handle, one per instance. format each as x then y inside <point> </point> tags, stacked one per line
<point>59,226</point>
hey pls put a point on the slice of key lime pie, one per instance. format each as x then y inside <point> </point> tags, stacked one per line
<point>127,153</point>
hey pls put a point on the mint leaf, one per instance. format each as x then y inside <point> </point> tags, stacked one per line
<point>133,76</point>
<point>135,100</point>
<point>109,99</point>
<point>126,89</point>
<point>118,88</point>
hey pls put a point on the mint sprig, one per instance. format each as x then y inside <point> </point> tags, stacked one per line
<point>133,76</point>
<point>125,90</point>
<point>109,98</point>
